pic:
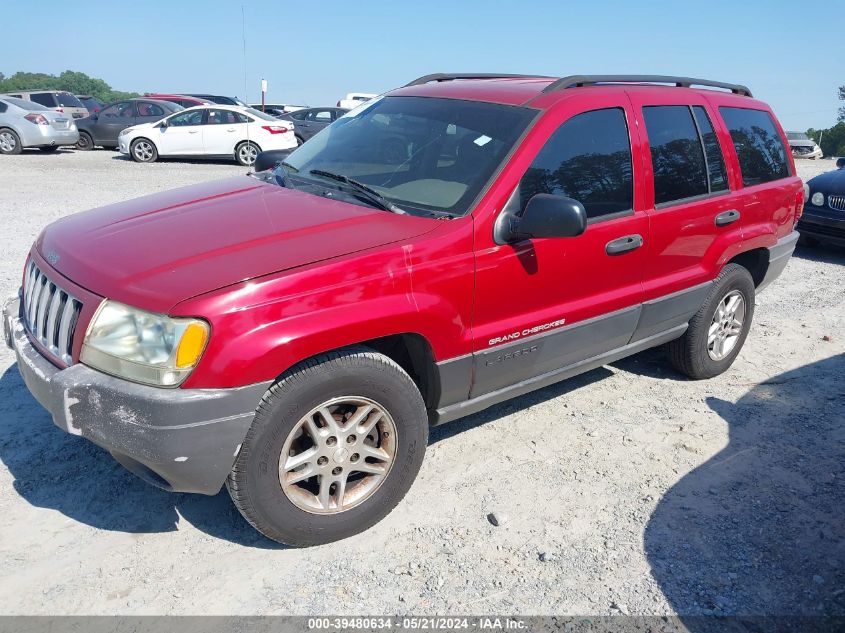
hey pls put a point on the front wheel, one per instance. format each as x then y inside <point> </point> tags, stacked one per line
<point>143,151</point>
<point>336,443</point>
<point>717,332</point>
<point>246,153</point>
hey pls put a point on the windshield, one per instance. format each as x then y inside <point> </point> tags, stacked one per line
<point>420,152</point>
<point>68,100</point>
<point>797,136</point>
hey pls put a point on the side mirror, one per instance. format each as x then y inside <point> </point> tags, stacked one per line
<point>163,124</point>
<point>94,116</point>
<point>269,158</point>
<point>840,163</point>
<point>547,215</point>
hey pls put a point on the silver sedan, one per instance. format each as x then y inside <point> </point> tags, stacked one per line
<point>27,124</point>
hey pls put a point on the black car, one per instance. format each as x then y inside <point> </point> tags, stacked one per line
<point>104,127</point>
<point>223,100</point>
<point>824,211</point>
<point>308,121</point>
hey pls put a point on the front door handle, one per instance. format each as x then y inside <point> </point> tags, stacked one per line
<point>727,217</point>
<point>230,129</point>
<point>192,131</point>
<point>623,244</point>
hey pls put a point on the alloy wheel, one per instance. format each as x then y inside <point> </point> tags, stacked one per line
<point>7,142</point>
<point>726,326</point>
<point>337,455</point>
<point>143,151</point>
<point>247,153</point>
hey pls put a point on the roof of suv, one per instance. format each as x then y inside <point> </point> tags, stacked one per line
<point>524,89</point>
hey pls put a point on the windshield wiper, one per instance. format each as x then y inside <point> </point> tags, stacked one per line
<point>364,190</point>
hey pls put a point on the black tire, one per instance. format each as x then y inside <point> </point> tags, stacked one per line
<point>140,156</point>
<point>246,152</point>
<point>85,142</point>
<point>299,140</point>
<point>11,141</point>
<point>807,240</point>
<point>254,483</point>
<point>49,149</point>
<point>689,354</point>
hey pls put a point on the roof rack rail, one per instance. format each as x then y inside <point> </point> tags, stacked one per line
<point>450,76</point>
<point>576,81</point>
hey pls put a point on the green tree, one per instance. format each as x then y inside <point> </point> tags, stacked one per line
<point>841,98</point>
<point>832,139</point>
<point>70,80</point>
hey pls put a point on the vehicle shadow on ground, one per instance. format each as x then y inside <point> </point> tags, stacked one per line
<point>821,252</point>
<point>759,529</point>
<point>69,474</point>
<point>185,161</point>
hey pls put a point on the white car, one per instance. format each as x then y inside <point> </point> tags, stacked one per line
<point>209,131</point>
<point>354,99</point>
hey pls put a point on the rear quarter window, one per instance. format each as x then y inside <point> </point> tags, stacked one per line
<point>758,145</point>
<point>44,98</point>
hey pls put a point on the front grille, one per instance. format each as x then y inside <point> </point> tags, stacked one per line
<point>50,313</point>
<point>802,149</point>
<point>837,203</point>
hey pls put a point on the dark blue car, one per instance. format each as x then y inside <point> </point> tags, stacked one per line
<point>824,211</point>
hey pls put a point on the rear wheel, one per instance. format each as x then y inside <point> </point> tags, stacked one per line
<point>717,332</point>
<point>246,153</point>
<point>335,445</point>
<point>299,140</point>
<point>143,151</point>
<point>10,142</point>
<point>85,142</point>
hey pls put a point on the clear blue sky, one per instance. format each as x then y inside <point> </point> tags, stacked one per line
<point>789,53</point>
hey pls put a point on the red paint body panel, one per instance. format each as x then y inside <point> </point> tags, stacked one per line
<point>156,251</point>
<point>282,275</point>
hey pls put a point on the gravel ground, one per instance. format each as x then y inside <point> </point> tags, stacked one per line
<point>625,490</point>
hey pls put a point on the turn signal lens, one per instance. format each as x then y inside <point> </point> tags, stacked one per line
<point>192,345</point>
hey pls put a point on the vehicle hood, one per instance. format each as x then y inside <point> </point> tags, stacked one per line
<point>156,251</point>
<point>802,143</point>
<point>830,183</point>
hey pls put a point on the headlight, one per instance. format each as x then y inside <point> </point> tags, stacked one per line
<point>817,199</point>
<point>149,348</point>
<point>124,132</point>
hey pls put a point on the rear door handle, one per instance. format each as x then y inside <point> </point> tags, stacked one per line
<point>623,244</point>
<point>192,131</point>
<point>230,129</point>
<point>727,217</point>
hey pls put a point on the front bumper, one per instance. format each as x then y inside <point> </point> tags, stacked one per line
<point>825,225</point>
<point>123,144</point>
<point>184,440</point>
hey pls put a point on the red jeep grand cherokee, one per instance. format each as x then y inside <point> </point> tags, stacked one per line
<point>459,241</point>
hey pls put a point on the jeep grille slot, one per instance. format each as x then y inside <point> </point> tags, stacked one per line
<point>50,313</point>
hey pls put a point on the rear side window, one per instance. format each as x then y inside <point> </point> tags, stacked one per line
<point>68,100</point>
<point>759,147</point>
<point>3,107</point>
<point>44,98</point>
<point>677,157</point>
<point>712,151</point>
<point>588,158</point>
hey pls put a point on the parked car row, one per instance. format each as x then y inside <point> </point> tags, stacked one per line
<point>158,124</point>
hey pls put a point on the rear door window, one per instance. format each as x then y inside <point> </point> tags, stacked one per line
<point>758,145</point>
<point>588,159</point>
<point>44,98</point>
<point>677,156</point>
<point>150,109</point>
<point>712,151</point>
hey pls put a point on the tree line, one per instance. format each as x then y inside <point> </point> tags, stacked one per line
<point>70,80</point>
<point>832,139</point>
